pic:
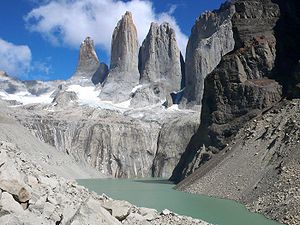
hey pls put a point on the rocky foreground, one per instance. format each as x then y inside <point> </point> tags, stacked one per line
<point>31,195</point>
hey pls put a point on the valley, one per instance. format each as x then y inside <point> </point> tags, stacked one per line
<point>211,137</point>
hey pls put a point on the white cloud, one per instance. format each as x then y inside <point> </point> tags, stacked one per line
<point>43,67</point>
<point>14,59</point>
<point>68,22</point>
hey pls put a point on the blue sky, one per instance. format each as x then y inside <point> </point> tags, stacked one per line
<point>40,39</point>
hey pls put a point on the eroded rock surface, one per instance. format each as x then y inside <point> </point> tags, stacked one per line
<point>131,144</point>
<point>247,143</point>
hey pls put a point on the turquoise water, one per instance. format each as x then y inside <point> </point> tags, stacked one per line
<point>159,194</point>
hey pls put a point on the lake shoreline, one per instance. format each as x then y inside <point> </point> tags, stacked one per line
<point>211,209</point>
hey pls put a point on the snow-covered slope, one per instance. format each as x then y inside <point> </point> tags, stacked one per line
<point>39,92</point>
<point>24,97</point>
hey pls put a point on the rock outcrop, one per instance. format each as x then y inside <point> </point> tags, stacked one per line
<point>64,98</point>
<point>123,74</point>
<point>173,138</point>
<point>149,94</point>
<point>88,61</point>
<point>239,88</point>
<point>159,63</point>
<point>211,38</point>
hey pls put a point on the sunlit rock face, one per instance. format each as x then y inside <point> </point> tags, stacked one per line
<point>211,38</point>
<point>144,143</point>
<point>159,66</point>
<point>88,61</point>
<point>123,75</point>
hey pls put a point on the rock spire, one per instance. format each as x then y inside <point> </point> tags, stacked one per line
<point>88,61</point>
<point>160,57</point>
<point>123,75</point>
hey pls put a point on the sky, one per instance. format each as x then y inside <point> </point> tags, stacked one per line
<point>40,39</point>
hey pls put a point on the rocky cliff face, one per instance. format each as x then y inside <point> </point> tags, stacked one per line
<point>239,88</point>
<point>211,38</point>
<point>159,61</point>
<point>159,57</point>
<point>125,46</point>
<point>173,138</point>
<point>88,61</point>
<point>123,75</point>
<point>244,115</point>
<point>118,145</point>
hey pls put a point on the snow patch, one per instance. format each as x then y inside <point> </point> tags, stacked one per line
<point>136,88</point>
<point>173,108</point>
<point>86,95</point>
<point>89,96</point>
<point>26,98</point>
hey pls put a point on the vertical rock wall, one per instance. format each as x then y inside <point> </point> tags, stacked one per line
<point>159,66</point>
<point>239,88</point>
<point>123,75</point>
<point>211,38</point>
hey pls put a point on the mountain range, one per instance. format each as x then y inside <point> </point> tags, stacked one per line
<point>221,121</point>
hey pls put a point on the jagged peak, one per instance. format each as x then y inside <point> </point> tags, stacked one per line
<point>88,61</point>
<point>165,27</point>
<point>128,13</point>
<point>153,25</point>
<point>210,21</point>
<point>87,49</point>
<point>124,53</point>
<point>160,59</point>
<point>126,21</point>
<point>88,41</point>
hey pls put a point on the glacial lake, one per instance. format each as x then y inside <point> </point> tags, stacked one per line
<point>160,195</point>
